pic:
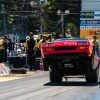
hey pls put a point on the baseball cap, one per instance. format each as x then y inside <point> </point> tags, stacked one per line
<point>31,33</point>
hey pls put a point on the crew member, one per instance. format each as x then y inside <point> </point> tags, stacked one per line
<point>43,40</point>
<point>3,49</point>
<point>31,45</point>
<point>60,36</point>
<point>96,43</point>
<point>11,46</point>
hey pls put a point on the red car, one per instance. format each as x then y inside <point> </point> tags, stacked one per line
<point>70,56</point>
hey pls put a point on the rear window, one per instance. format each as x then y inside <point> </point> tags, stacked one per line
<point>63,39</point>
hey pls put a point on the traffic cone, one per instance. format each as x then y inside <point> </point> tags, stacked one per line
<point>41,67</point>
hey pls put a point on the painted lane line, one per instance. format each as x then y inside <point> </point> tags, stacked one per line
<point>38,75</point>
<point>19,78</point>
<point>10,79</point>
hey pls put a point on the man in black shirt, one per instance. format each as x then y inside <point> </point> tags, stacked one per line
<point>10,45</point>
<point>30,46</point>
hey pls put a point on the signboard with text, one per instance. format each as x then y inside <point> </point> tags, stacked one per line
<point>87,15</point>
<point>97,15</point>
<point>89,24</point>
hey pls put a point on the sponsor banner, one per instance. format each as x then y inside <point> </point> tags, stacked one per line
<point>89,22</point>
<point>90,15</point>
<point>96,14</point>
<point>89,27</point>
<point>49,36</point>
<point>87,15</point>
<point>4,69</point>
<point>89,33</point>
<point>1,71</point>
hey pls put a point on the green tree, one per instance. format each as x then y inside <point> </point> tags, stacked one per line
<point>6,16</point>
<point>20,17</point>
<point>17,13</point>
<point>71,20</point>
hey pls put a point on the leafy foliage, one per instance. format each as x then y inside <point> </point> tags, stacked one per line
<point>20,17</point>
<point>72,20</point>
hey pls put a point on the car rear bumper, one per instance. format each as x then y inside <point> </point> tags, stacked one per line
<point>65,55</point>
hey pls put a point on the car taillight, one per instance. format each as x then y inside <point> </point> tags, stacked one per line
<point>82,43</point>
<point>48,44</point>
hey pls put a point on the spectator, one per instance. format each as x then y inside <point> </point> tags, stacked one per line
<point>3,46</point>
<point>43,40</point>
<point>30,46</point>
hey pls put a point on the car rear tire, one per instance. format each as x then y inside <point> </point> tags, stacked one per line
<point>45,64</point>
<point>92,76</point>
<point>91,61</point>
<point>55,77</point>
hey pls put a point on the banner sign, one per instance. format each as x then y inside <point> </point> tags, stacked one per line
<point>4,69</point>
<point>89,27</point>
<point>97,15</point>
<point>89,33</point>
<point>90,15</point>
<point>89,22</point>
<point>87,15</point>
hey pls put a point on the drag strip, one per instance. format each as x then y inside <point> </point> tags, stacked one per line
<point>38,87</point>
<point>18,76</point>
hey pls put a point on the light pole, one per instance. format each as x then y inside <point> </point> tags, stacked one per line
<point>27,17</point>
<point>62,19</point>
<point>3,11</point>
<point>32,3</point>
<point>40,15</point>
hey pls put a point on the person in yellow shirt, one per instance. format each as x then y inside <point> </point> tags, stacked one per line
<point>3,49</point>
<point>1,46</point>
<point>31,45</point>
<point>96,44</point>
<point>43,40</point>
<point>95,41</point>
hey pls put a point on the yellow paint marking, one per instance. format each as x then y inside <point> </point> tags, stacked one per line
<point>15,76</point>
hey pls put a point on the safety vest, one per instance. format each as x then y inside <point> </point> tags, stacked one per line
<point>41,41</point>
<point>31,44</point>
<point>94,42</point>
<point>1,47</point>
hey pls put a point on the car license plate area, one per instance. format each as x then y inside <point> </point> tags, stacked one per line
<point>65,48</point>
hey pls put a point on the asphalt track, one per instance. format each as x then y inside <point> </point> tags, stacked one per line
<point>36,86</point>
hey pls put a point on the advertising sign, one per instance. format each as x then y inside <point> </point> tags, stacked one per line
<point>4,69</point>
<point>89,33</point>
<point>90,24</point>
<point>97,15</point>
<point>87,15</point>
<point>89,28</point>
